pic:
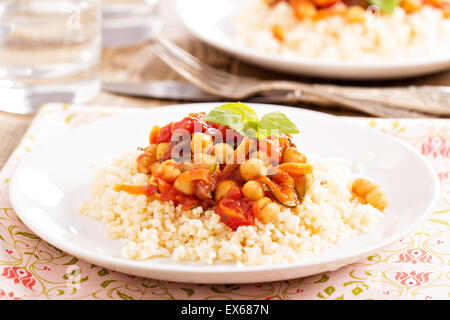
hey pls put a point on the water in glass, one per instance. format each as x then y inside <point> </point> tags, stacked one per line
<point>49,52</point>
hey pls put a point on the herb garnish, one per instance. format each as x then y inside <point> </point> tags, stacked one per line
<point>387,6</point>
<point>242,118</point>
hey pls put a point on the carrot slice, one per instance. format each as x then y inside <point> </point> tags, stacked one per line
<point>154,134</point>
<point>296,168</point>
<point>131,189</point>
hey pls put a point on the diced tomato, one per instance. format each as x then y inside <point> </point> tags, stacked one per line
<point>187,202</point>
<point>194,122</point>
<point>165,133</point>
<point>234,210</point>
<point>186,124</point>
<point>163,186</point>
<point>169,193</point>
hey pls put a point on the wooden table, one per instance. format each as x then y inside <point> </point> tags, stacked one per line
<point>131,64</point>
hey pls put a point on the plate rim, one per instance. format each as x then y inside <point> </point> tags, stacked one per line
<point>230,268</point>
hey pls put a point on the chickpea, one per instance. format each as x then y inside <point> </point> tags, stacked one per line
<point>168,170</point>
<point>222,152</point>
<point>269,213</point>
<point>222,189</point>
<point>304,9</point>
<point>253,190</point>
<point>371,193</point>
<point>291,154</point>
<point>152,180</point>
<point>161,149</point>
<point>261,155</point>
<point>378,199</point>
<point>204,161</point>
<point>252,169</point>
<point>154,168</point>
<point>151,150</point>
<point>144,161</point>
<point>269,210</point>
<point>183,185</point>
<point>446,10</point>
<point>355,14</point>
<point>201,143</point>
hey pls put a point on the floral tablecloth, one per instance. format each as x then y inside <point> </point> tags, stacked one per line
<point>415,267</point>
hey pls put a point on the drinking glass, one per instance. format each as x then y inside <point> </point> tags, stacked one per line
<point>129,22</point>
<point>49,52</point>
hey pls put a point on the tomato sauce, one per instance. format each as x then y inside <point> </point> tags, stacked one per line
<point>235,210</point>
<point>169,193</point>
<point>195,123</point>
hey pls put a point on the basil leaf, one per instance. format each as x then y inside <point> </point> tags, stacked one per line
<point>244,110</point>
<point>243,119</point>
<point>237,116</point>
<point>276,121</point>
<point>386,6</point>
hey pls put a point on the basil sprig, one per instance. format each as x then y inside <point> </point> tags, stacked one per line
<point>242,118</point>
<point>386,6</point>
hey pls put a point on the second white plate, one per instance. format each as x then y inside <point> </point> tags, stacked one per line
<point>211,21</point>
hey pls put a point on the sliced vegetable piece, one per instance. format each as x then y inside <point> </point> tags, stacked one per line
<point>154,135</point>
<point>139,190</point>
<point>283,194</point>
<point>214,167</point>
<point>202,190</point>
<point>296,168</point>
<point>197,174</point>
<point>301,185</point>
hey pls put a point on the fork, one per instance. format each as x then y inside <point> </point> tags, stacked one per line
<point>381,102</point>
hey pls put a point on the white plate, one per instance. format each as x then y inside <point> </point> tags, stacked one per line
<point>50,182</point>
<point>211,21</point>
